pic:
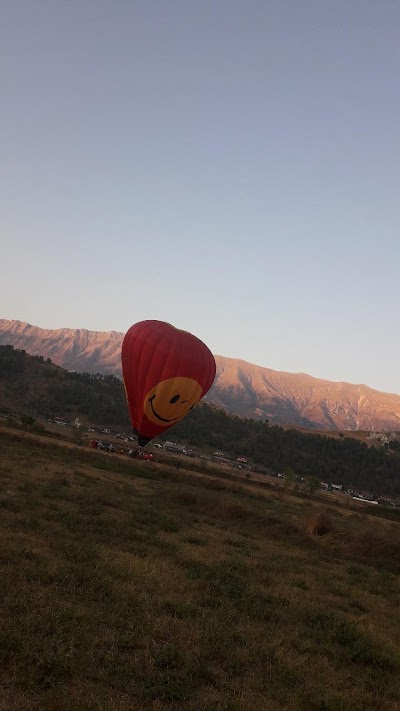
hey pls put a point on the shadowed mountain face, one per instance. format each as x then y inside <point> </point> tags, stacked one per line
<point>240,388</point>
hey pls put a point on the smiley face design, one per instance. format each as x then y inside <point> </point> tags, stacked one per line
<point>171,399</point>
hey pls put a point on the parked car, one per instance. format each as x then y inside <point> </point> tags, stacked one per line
<point>105,446</point>
<point>93,443</point>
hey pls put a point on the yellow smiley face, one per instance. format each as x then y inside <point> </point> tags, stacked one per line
<point>171,399</point>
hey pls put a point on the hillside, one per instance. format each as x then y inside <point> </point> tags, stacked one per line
<point>297,398</point>
<point>240,387</point>
<point>30,384</point>
<point>72,349</point>
<point>345,461</point>
<point>128,587</point>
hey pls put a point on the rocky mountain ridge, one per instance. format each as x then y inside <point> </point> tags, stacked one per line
<point>240,388</point>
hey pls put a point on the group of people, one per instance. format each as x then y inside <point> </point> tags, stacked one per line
<point>139,454</point>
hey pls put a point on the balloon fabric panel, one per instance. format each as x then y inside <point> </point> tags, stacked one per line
<point>166,372</point>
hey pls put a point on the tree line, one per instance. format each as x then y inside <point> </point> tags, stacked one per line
<point>343,461</point>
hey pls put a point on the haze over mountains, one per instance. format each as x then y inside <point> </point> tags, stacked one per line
<point>240,388</point>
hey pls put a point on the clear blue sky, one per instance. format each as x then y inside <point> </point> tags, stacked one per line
<point>230,167</point>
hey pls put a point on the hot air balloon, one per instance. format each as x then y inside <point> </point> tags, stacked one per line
<point>166,372</point>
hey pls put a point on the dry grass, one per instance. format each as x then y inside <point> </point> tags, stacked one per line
<point>382,548</point>
<point>128,587</point>
<point>320,524</point>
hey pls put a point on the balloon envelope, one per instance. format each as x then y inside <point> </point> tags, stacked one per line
<point>166,372</point>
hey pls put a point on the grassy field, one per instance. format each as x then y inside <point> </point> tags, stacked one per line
<point>130,586</point>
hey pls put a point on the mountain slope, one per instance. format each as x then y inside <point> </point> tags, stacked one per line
<point>240,388</point>
<point>29,384</point>
<point>72,349</point>
<point>252,391</point>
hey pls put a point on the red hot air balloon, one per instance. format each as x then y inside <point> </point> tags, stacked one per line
<point>166,372</point>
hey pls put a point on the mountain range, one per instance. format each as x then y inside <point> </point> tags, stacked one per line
<point>240,388</point>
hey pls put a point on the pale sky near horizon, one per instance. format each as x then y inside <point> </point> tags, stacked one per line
<point>232,167</point>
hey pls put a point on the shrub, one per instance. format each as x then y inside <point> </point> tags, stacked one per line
<point>37,427</point>
<point>319,524</point>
